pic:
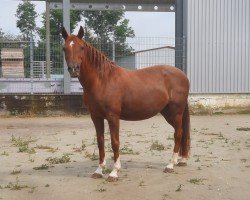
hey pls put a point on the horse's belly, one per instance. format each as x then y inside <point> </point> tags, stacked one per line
<point>143,108</point>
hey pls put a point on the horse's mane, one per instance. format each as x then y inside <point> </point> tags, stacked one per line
<point>98,60</point>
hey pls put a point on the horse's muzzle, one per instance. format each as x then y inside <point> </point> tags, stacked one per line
<point>74,70</point>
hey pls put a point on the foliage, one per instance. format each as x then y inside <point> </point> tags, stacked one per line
<point>56,22</point>
<point>26,16</point>
<point>100,25</point>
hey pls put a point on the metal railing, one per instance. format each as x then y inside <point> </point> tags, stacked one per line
<point>24,70</point>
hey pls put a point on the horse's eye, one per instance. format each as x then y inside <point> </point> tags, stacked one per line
<point>82,48</point>
<point>63,48</point>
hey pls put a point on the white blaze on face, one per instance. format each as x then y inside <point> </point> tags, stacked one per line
<point>71,44</point>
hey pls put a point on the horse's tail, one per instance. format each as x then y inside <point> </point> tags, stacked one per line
<point>185,140</point>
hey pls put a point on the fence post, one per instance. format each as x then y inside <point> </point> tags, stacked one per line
<point>66,23</point>
<point>48,40</point>
<point>31,63</point>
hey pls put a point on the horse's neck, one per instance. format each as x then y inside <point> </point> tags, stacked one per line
<point>90,77</point>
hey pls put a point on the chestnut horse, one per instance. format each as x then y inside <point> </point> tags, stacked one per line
<point>114,93</point>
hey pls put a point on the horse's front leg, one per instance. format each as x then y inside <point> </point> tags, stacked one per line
<point>113,122</point>
<point>99,126</point>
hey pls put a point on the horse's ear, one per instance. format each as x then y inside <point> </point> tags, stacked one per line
<point>80,33</point>
<point>64,33</point>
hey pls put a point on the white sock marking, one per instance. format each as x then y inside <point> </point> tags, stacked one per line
<point>100,168</point>
<point>173,162</point>
<point>116,168</point>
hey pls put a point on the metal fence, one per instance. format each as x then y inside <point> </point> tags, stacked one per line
<point>24,70</point>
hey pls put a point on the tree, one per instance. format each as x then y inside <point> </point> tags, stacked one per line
<point>26,16</point>
<point>100,25</point>
<point>56,22</point>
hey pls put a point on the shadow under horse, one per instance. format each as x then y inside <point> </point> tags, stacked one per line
<point>113,93</point>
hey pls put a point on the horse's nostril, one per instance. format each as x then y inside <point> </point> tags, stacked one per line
<point>69,68</point>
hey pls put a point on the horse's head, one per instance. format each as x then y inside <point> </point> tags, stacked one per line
<point>73,50</point>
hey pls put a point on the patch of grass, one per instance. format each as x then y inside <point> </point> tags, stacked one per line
<point>197,160</point>
<point>179,188</point>
<point>5,153</point>
<point>107,171</point>
<point>102,189</point>
<point>92,156</point>
<point>80,149</point>
<point>16,172</point>
<point>157,146</point>
<point>43,147</point>
<point>64,159</point>
<point>170,137</point>
<point>218,113</point>
<point>142,183</point>
<point>243,129</point>
<point>165,196</point>
<point>15,185</point>
<point>244,112</point>
<point>23,144</point>
<point>32,189</point>
<point>42,167</point>
<point>154,126</point>
<point>128,150</point>
<point>243,160</point>
<point>197,181</point>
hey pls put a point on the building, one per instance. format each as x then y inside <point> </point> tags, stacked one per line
<point>149,57</point>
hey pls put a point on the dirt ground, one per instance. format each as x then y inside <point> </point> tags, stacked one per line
<point>218,168</point>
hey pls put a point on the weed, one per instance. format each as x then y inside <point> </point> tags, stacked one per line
<point>170,137</point>
<point>92,156</point>
<point>23,144</point>
<point>196,181</point>
<point>165,197</point>
<point>142,183</point>
<point>43,147</point>
<point>47,185</point>
<point>102,189</point>
<point>243,129</point>
<point>64,159</point>
<point>5,153</point>
<point>15,185</point>
<point>82,148</point>
<point>107,171</point>
<point>128,150</point>
<point>154,126</point>
<point>42,167</point>
<point>32,189</point>
<point>197,160</point>
<point>244,112</point>
<point>243,160</point>
<point>157,146</point>
<point>16,171</point>
<point>179,188</point>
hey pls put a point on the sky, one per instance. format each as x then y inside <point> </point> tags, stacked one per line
<point>145,24</point>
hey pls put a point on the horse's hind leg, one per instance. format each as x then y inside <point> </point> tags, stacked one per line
<point>113,122</point>
<point>173,114</point>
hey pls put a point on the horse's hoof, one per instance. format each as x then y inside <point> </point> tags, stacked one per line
<point>168,170</point>
<point>96,176</point>
<point>182,164</point>
<point>112,179</point>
